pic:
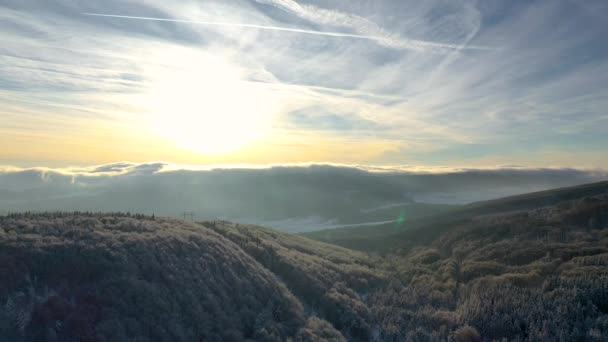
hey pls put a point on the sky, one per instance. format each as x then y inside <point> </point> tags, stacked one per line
<point>394,82</point>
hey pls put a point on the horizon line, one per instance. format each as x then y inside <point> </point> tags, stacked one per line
<point>123,167</point>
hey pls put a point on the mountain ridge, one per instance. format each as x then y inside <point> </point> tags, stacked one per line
<point>372,237</point>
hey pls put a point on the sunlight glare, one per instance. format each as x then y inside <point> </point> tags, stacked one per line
<point>205,104</point>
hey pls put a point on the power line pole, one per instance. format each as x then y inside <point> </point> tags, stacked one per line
<point>189,215</point>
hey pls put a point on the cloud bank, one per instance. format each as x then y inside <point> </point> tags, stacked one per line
<point>295,198</point>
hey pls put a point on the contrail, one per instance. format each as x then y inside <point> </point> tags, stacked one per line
<point>390,42</point>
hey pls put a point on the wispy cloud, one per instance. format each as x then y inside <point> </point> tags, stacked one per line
<point>366,27</point>
<point>383,82</point>
<point>385,41</point>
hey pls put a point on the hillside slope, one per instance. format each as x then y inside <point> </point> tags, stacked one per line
<point>423,230</point>
<point>332,282</point>
<point>536,275</point>
<point>531,267</point>
<point>112,277</point>
<point>577,198</point>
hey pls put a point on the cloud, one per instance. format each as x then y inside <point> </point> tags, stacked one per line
<point>365,27</point>
<point>112,168</point>
<point>422,77</point>
<point>385,41</point>
<point>314,118</point>
<point>292,197</point>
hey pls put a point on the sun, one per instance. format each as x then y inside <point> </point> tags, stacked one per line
<point>204,104</point>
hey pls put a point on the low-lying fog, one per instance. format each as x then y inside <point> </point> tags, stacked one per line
<point>292,198</point>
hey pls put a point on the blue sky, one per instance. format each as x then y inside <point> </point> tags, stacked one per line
<point>456,83</point>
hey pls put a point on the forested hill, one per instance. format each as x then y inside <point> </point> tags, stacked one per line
<point>84,277</point>
<point>532,268</point>
<point>423,230</point>
<point>527,275</point>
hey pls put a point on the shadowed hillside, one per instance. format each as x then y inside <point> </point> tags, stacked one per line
<point>332,282</point>
<point>83,277</point>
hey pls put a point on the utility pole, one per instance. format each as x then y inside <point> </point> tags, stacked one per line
<point>189,215</point>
